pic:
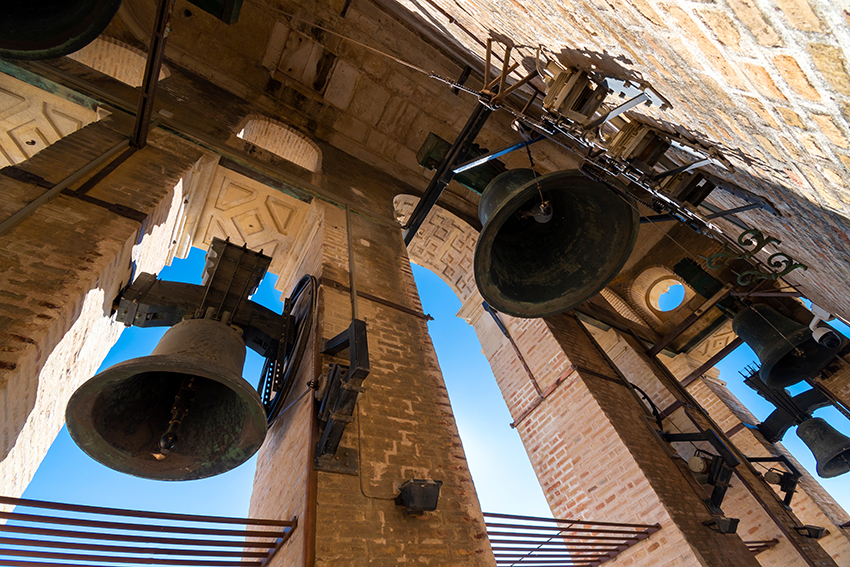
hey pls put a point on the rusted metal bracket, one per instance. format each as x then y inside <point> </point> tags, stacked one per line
<point>548,392</point>
<point>344,386</point>
<point>369,297</point>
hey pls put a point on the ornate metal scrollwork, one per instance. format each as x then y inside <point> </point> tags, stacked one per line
<point>753,242</point>
<point>779,261</point>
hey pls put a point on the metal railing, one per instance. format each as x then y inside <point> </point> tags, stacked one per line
<point>528,541</point>
<point>179,540</point>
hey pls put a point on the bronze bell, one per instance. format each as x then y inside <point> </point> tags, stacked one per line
<point>182,413</point>
<point>786,349</point>
<point>45,29</point>
<point>548,244</point>
<point>830,448</point>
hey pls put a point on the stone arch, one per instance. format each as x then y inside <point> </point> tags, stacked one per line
<point>283,141</point>
<point>116,59</point>
<point>645,289</point>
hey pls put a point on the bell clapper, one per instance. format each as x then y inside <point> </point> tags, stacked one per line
<point>184,398</point>
<point>542,212</point>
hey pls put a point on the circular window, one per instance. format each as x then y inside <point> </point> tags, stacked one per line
<point>667,294</point>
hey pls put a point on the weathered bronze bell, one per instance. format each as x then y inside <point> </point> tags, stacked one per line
<point>548,244</point>
<point>830,448</point>
<point>44,29</point>
<point>182,413</point>
<point>787,350</point>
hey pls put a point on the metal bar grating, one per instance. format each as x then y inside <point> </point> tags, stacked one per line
<point>90,536</point>
<point>528,541</point>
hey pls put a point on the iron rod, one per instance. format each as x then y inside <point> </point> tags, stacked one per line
<point>352,279</point>
<point>142,514</point>
<point>561,529</point>
<point>135,538</point>
<point>734,211</point>
<point>28,209</point>
<point>589,553</point>
<point>653,527</point>
<point>444,174</point>
<point>588,546</point>
<point>118,559</point>
<point>153,66</point>
<point>589,538</point>
<point>724,352</point>
<point>466,166</point>
<point>128,549</point>
<point>128,526</point>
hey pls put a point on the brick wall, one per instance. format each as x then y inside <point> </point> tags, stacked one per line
<point>768,83</point>
<point>403,426</point>
<point>58,278</point>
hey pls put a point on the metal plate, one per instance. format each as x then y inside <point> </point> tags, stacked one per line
<point>345,461</point>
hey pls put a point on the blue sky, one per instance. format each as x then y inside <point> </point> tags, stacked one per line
<point>503,477</point>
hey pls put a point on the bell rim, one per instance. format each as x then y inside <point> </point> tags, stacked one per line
<point>100,448</point>
<point>63,41</point>
<point>485,244</point>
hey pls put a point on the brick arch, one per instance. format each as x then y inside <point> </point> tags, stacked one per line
<point>621,306</point>
<point>116,59</point>
<point>283,141</point>
<point>641,287</point>
<point>445,244</point>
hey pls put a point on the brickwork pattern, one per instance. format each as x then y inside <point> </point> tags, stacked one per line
<point>58,283</point>
<point>765,81</point>
<point>283,141</point>
<point>116,59</point>
<point>403,427</point>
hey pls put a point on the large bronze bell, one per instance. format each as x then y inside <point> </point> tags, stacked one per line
<point>182,413</point>
<point>44,29</point>
<point>830,448</point>
<point>550,244</point>
<point>787,350</point>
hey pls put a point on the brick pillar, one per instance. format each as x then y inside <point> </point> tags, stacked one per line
<point>834,381</point>
<point>620,468</point>
<point>60,270</point>
<point>748,479</point>
<point>403,425</point>
<point>811,503</point>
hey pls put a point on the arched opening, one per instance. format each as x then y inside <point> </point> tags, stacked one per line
<point>656,294</point>
<point>118,60</point>
<point>283,141</point>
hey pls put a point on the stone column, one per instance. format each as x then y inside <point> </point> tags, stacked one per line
<point>60,270</point>
<point>403,426</point>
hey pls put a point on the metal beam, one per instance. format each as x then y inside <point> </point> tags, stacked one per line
<point>735,343</point>
<point>444,172</point>
<point>153,66</point>
<point>690,320</point>
<point>466,166</point>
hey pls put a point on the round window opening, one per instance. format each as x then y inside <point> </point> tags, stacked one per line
<point>667,295</point>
